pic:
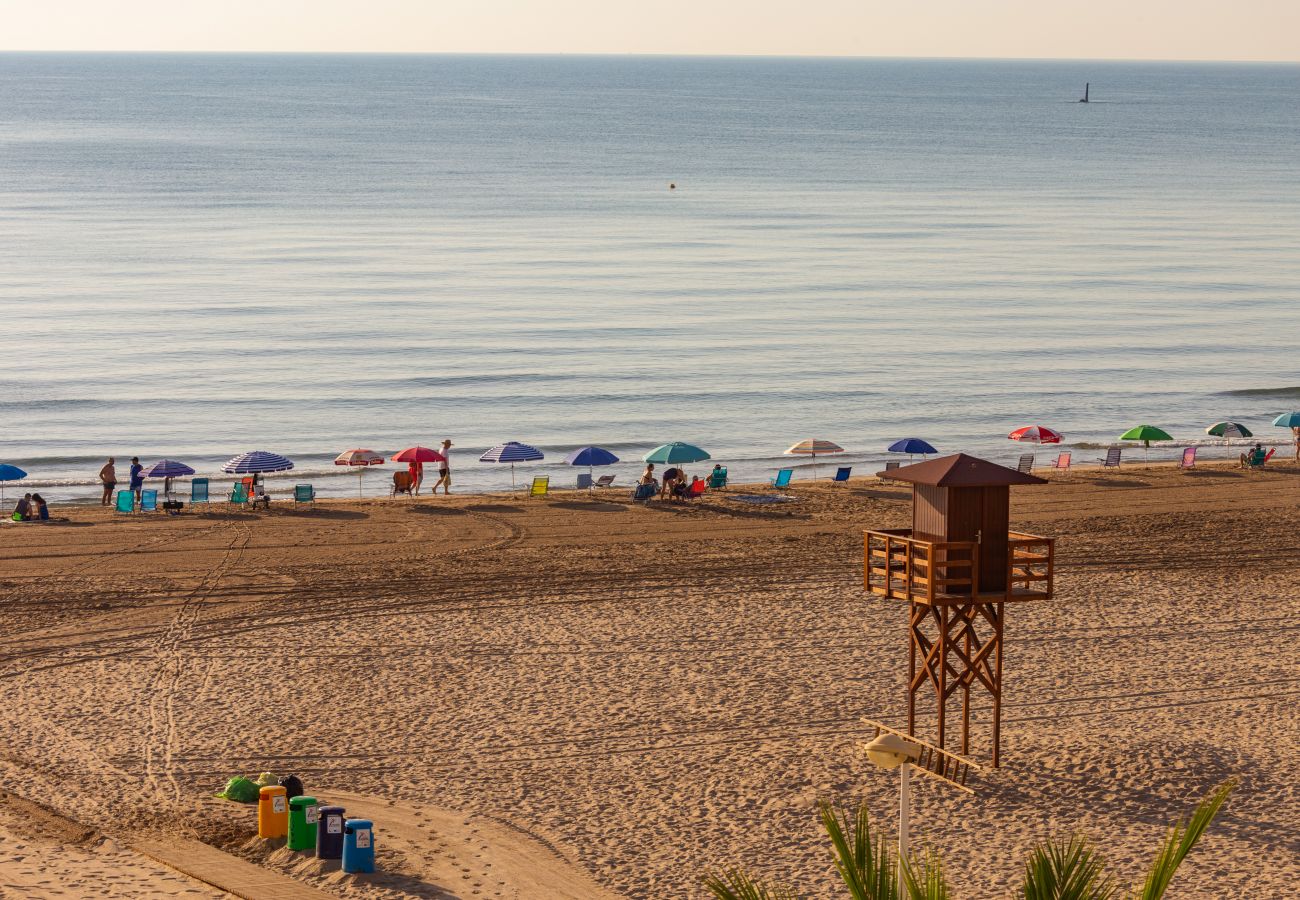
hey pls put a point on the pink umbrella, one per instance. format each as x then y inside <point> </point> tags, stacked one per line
<point>361,459</point>
<point>418,454</point>
<point>1036,434</point>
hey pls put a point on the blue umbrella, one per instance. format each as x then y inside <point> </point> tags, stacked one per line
<point>911,446</point>
<point>257,461</point>
<point>9,473</point>
<point>512,452</point>
<point>590,456</point>
<point>168,469</point>
<point>676,452</point>
<point>1288,420</point>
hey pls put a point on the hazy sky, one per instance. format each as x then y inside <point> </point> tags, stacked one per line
<point>1090,29</point>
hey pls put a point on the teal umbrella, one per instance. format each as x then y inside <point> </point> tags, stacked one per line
<point>676,452</point>
<point>1288,420</point>
<point>1146,434</point>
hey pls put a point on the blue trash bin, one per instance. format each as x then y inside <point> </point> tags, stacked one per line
<point>329,833</point>
<point>358,846</point>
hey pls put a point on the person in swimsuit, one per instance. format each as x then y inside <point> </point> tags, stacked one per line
<point>137,477</point>
<point>23,511</point>
<point>444,470</point>
<point>108,477</point>
<point>40,511</point>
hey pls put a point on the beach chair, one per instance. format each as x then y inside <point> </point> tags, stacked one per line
<point>1026,464</point>
<point>718,479</point>
<point>604,481</point>
<point>697,489</point>
<point>541,484</point>
<point>402,484</point>
<point>250,486</point>
<point>891,466</point>
<point>644,493</point>
<point>198,491</point>
<point>125,502</point>
<point>1189,458</point>
<point>238,494</point>
<point>1062,460</point>
<point>303,493</point>
<point>842,473</point>
<point>584,481</point>
<point>782,479</point>
<point>1112,459</point>
<point>148,501</point>
<point>1252,464</point>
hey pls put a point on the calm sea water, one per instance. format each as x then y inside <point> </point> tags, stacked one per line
<point>209,254</point>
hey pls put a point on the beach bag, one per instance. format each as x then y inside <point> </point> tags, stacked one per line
<point>241,790</point>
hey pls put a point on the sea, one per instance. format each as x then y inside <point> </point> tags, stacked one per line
<point>208,254</point>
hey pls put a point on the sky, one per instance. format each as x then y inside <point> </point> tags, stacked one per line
<point>1069,29</point>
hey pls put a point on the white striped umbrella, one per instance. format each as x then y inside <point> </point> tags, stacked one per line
<point>813,446</point>
<point>361,459</point>
<point>257,462</point>
<point>512,452</point>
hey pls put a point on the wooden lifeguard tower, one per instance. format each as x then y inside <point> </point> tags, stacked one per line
<point>957,567</point>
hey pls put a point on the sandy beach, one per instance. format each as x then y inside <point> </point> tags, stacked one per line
<point>578,697</point>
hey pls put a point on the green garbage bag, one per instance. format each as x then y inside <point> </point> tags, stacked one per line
<point>241,790</point>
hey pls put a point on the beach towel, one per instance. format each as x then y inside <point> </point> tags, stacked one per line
<point>240,790</point>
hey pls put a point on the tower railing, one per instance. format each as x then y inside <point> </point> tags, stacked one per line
<point>903,567</point>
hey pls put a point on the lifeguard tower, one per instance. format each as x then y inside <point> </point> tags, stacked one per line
<point>957,567</point>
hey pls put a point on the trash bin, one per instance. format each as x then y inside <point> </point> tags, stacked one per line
<point>272,812</point>
<point>358,846</point>
<point>292,785</point>
<point>303,813</point>
<point>329,832</point>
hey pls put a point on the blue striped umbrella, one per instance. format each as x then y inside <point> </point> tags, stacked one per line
<point>9,473</point>
<point>168,469</point>
<point>257,461</point>
<point>512,452</point>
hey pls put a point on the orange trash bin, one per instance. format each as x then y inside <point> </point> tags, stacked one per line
<point>272,812</point>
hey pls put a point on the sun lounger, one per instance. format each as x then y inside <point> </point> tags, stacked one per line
<point>125,502</point>
<point>643,493</point>
<point>718,478</point>
<point>782,479</point>
<point>584,481</point>
<point>148,501</point>
<point>1062,460</point>
<point>238,494</point>
<point>1189,458</point>
<point>604,481</point>
<point>843,473</point>
<point>402,484</point>
<point>198,491</point>
<point>1112,458</point>
<point>891,466</point>
<point>1026,464</point>
<point>541,484</point>
<point>303,493</point>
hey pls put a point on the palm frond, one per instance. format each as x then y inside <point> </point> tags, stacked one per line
<point>862,860</point>
<point>1066,871</point>
<point>926,881</point>
<point>737,884</point>
<point>1182,837</point>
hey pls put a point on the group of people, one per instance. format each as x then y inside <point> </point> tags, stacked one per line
<point>676,485</point>
<point>31,508</point>
<point>415,469</point>
<point>108,479</point>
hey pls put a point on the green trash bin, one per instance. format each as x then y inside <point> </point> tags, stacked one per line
<point>303,815</point>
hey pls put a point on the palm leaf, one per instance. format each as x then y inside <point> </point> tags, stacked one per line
<point>1180,840</point>
<point>1066,871</point>
<point>862,861</point>
<point>737,884</point>
<point>928,883</point>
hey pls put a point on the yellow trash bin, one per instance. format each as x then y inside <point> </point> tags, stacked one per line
<point>272,812</point>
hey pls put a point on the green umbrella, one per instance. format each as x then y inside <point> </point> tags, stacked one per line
<point>1146,434</point>
<point>1228,431</point>
<point>676,452</point>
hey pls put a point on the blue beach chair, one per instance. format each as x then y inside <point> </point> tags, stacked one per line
<point>782,479</point>
<point>843,473</point>
<point>198,491</point>
<point>238,494</point>
<point>303,493</point>
<point>718,479</point>
<point>1112,458</point>
<point>125,502</point>
<point>148,501</point>
<point>643,493</point>
<point>584,481</point>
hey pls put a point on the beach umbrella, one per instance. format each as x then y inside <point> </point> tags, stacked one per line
<point>1036,434</point>
<point>361,460</point>
<point>418,454</point>
<point>1228,431</point>
<point>1146,434</point>
<point>813,446</point>
<point>512,452</point>
<point>911,446</point>
<point>675,452</point>
<point>589,457</point>
<point>1288,420</point>
<point>168,469</point>
<point>257,462</point>
<point>9,473</point>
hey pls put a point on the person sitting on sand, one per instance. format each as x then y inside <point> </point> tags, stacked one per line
<point>1252,457</point>
<point>23,511</point>
<point>40,511</point>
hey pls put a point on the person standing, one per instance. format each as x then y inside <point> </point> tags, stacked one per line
<point>137,477</point>
<point>444,470</point>
<point>415,469</point>
<point>1295,433</point>
<point>108,478</point>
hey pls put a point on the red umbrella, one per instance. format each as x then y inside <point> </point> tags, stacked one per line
<point>418,454</point>
<point>1036,434</point>
<point>360,458</point>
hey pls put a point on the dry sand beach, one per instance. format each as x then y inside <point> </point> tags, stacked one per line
<point>576,697</point>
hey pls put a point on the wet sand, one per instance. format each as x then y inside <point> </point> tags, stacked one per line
<point>637,694</point>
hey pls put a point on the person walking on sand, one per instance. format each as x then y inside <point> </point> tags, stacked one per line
<point>137,478</point>
<point>444,470</point>
<point>108,478</point>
